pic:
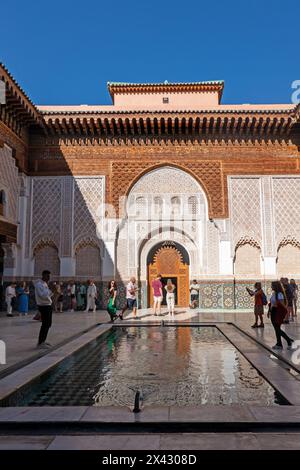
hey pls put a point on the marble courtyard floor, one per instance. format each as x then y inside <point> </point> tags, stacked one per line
<point>246,427</point>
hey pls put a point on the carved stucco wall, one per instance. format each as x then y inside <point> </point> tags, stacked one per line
<point>166,180</point>
<point>265,212</point>
<point>46,210</point>
<point>88,261</point>
<point>212,252</point>
<point>66,212</point>
<point>9,182</point>
<point>286,192</point>
<point>245,210</point>
<point>180,219</point>
<point>209,175</point>
<point>88,207</point>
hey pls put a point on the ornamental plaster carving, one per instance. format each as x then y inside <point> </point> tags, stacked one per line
<point>88,205</point>
<point>164,180</point>
<point>9,182</point>
<point>286,191</point>
<point>245,209</point>
<point>208,174</point>
<point>289,241</point>
<point>247,241</point>
<point>46,209</point>
<point>10,254</point>
<point>166,192</point>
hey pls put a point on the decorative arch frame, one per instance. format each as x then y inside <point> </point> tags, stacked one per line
<point>160,252</point>
<point>288,241</point>
<point>208,174</point>
<point>149,242</point>
<point>87,240</point>
<point>246,241</point>
<point>44,241</point>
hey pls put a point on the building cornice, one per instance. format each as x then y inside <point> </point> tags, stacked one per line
<point>18,111</point>
<point>216,86</point>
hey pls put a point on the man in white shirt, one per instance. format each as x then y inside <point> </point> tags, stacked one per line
<point>91,296</point>
<point>131,303</point>
<point>194,290</point>
<point>44,302</point>
<point>10,294</point>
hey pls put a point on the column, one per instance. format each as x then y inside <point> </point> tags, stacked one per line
<point>269,246</point>
<point>67,260</point>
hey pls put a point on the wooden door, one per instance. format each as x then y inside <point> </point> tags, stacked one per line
<point>168,262</point>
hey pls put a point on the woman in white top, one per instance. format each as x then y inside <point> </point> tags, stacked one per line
<point>91,296</point>
<point>170,297</point>
<point>278,311</point>
<point>10,294</point>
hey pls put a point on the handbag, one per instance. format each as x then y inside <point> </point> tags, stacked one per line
<point>280,314</point>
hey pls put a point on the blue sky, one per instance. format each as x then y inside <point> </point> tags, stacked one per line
<point>64,52</point>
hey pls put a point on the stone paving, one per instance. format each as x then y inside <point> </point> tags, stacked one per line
<point>155,442</point>
<point>21,333</point>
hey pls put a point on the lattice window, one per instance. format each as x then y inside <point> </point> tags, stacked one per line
<point>193,205</point>
<point>158,205</point>
<point>176,205</point>
<point>140,204</point>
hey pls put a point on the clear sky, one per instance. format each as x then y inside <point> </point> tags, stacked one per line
<point>64,51</point>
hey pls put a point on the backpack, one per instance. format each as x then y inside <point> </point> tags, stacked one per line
<point>264,299</point>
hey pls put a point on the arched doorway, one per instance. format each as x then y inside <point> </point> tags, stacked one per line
<point>171,260</point>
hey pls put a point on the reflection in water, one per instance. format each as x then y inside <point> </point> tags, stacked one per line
<point>180,366</point>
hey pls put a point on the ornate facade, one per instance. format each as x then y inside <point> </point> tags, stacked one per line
<point>166,170</point>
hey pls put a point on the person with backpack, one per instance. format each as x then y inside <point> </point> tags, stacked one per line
<point>278,312</point>
<point>260,299</point>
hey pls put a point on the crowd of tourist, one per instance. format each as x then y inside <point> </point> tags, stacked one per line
<point>282,304</point>
<point>72,296</point>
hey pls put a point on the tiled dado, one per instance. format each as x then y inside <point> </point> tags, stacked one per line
<point>213,294</point>
<point>229,294</point>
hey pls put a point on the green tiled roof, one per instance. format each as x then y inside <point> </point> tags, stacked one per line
<point>211,82</point>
